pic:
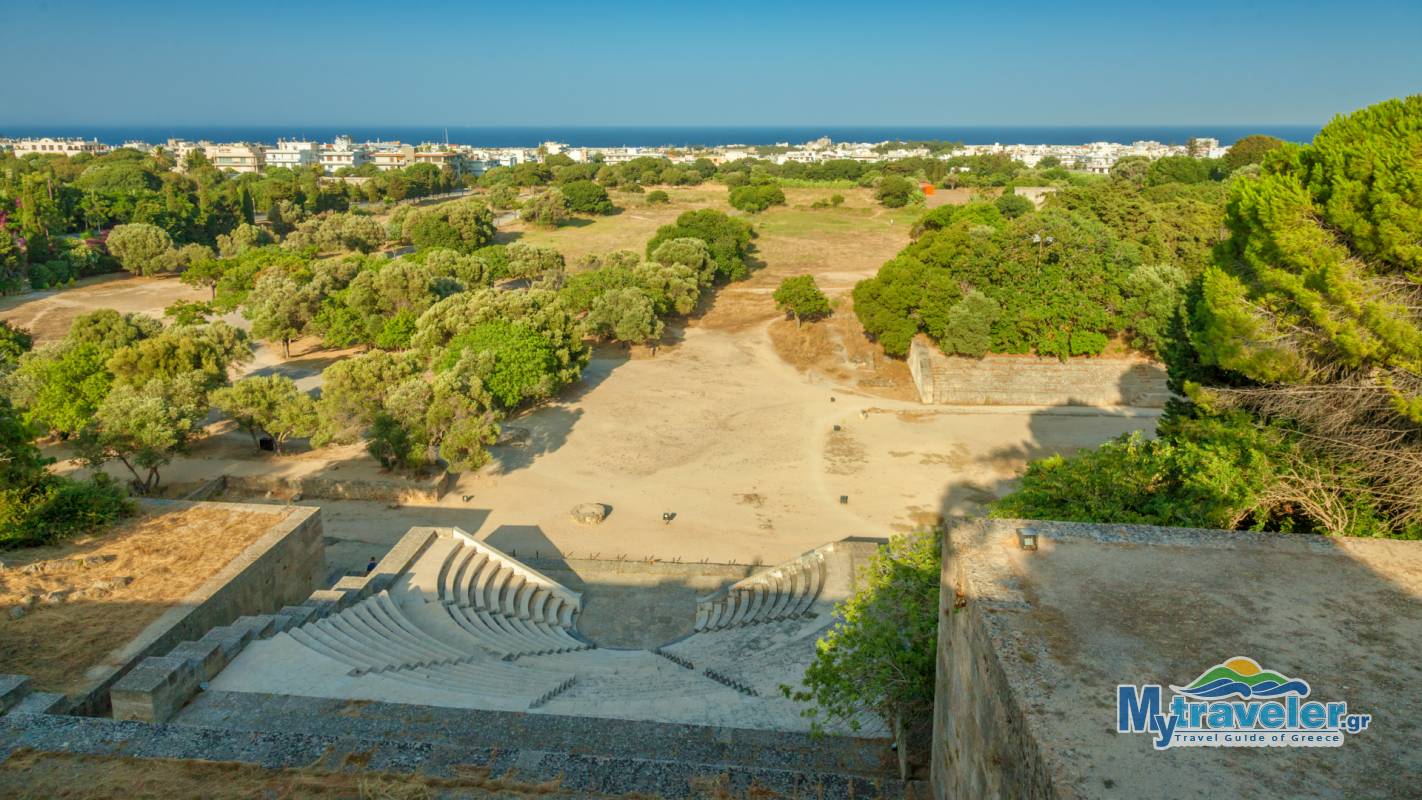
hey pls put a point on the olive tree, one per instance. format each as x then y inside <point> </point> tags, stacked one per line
<point>144,427</point>
<point>141,248</point>
<point>269,404</point>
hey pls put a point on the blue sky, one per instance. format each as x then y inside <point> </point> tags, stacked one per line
<point>935,62</point>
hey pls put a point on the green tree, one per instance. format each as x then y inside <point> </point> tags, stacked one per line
<point>14,342</point>
<point>967,328</point>
<point>143,428</point>
<point>896,191</point>
<point>1311,313</point>
<point>183,312</point>
<point>1131,169</point>
<point>1013,205</point>
<point>586,197</point>
<point>1250,150</point>
<point>352,390</point>
<point>625,315</point>
<point>754,198</point>
<point>514,363</point>
<point>270,405</point>
<point>207,350</point>
<point>1178,169</point>
<point>801,297</point>
<point>546,209</point>
<point>58,387</point>
<point>141,248</point>
<point>879,659</point>
<point>727,241</point>
<point>531,261</point>
<point>281,309</point>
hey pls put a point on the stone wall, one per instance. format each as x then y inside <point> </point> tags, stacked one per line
<point>280,568</point>
<point>1034,381</point>
<point>393,489</point>
<point>981,746</point>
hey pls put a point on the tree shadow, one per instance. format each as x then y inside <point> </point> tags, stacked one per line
<point>536,433</point>
<point>306,366</point>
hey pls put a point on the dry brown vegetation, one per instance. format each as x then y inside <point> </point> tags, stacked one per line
<point>31,775</point>
<point>89,596</point>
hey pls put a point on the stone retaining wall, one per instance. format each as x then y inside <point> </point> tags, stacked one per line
<point>981,745</point>
<point>279,568</point>
<point>385,490</point>
<point>1034,381</point>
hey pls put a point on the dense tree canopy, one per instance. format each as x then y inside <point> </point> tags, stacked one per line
<point>1300,347</point>
<point>727,240</point>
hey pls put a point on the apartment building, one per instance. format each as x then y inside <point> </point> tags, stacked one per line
<point>293,154</point>
<point>343,153</point>
<point>62,147</point>
<point>238,157</point>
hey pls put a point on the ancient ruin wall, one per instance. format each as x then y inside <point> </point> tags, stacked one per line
<point>280,568</point>
<point>983,747</point>
<point>1034,381</point>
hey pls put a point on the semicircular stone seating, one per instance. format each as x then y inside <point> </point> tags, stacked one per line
<point>459,622</point>
<point>788,591</point>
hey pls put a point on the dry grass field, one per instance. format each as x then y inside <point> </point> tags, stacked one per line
<point>89,596</point>
<point>31,775</point>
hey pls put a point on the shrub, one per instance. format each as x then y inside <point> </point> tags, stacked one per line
<point>61,509</point>
<point>547,210</point>
<point>880,658</point>
<point>896,191</point>
<point>757,197</point>
<point>801,297</point>
<point>586,197</point>
<point>1013,205</point>
<point>657,197</point>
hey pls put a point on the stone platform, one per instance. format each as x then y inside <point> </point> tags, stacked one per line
<point>1033,645</point>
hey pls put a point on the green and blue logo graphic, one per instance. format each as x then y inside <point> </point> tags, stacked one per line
<point>1270,709</point>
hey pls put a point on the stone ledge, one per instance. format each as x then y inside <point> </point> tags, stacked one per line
<point>13,689</point>
<point>575,771</point>
<point>155,690</point>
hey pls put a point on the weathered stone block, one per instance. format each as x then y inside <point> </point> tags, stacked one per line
<point>261,625</point>
<point>329,599</point>
<point>13,689</point>
<point>155,690</point>
<point>42,703</point>
<point>232,639</point>
<point>299,615</point>
<point>206,656</point>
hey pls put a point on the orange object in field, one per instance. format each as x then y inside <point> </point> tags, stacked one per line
<point>926,187</point>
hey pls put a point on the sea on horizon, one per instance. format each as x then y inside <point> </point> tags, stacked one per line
<point>665,135</point>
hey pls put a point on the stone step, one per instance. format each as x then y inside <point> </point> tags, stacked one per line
<point>285,741</point>
<point>710,749</point>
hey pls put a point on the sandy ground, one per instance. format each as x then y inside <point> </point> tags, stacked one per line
<point>730,425</point>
